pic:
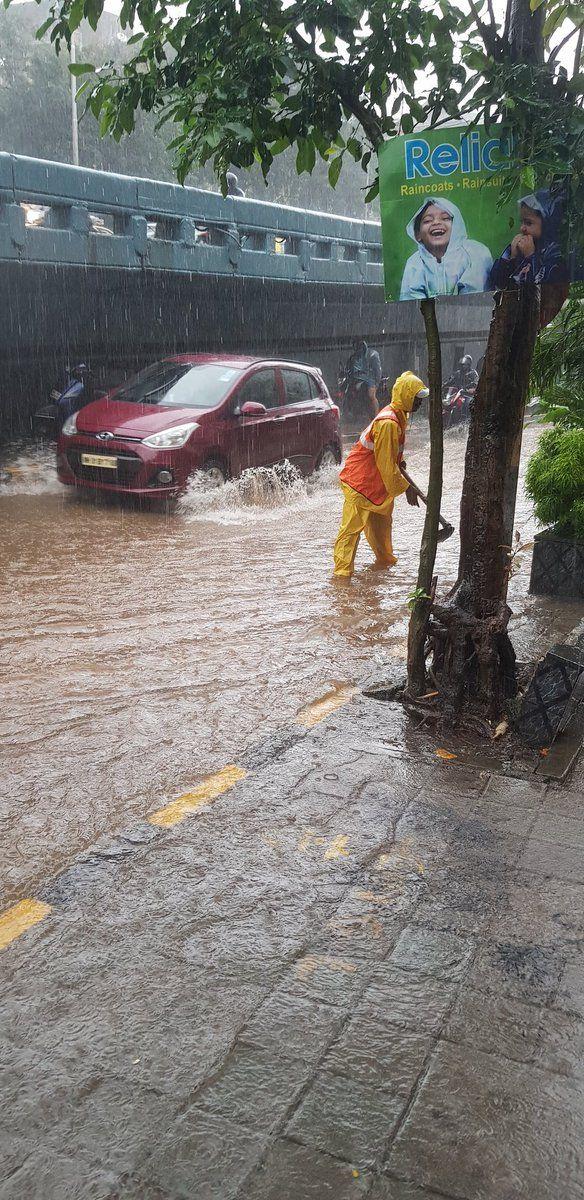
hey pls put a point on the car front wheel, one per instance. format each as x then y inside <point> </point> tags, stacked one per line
<point>327,459</point>
<point>215,474</point>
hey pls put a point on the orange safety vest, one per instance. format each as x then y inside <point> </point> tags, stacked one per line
<point>360,470</point>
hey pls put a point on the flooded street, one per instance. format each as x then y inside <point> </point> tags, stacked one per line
<point>144,649</point>
<point>275,925</point>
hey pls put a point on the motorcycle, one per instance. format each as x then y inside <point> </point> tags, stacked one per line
<point>456,404</point>
<point>352,399</point>
<point>76,394</point>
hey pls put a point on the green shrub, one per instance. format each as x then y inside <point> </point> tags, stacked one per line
<point>555,481</point>
<point>557,373</point>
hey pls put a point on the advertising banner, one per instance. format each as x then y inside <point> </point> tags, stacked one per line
<point>445,231</point>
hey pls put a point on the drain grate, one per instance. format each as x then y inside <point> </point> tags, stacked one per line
<point>548,700</point>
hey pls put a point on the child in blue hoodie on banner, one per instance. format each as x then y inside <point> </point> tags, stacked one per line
<point>447,262</point>
<point>534,254</point>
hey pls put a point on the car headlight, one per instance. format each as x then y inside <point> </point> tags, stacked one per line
<point>173,438</point>
<point>70,425</point>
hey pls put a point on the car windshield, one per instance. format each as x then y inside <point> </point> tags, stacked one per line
<point>180,385</point>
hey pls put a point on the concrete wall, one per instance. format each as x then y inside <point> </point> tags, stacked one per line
<point>120,320</point>
<point>119,271</point>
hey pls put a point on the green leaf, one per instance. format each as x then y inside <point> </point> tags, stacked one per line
<point>75,15</point>
<point>417,110</point>
<point>243,132</point>
<point>355,149</point>
<point>81,68</point>
<point>306,156</point>
<point>214,138</point>
<point>554,19</point>
<point>84,87</point>
<point>417,596</point>
<point>335,170</point>
<point>46,25</point>
<point>576,84</point>
<point>280,145</point>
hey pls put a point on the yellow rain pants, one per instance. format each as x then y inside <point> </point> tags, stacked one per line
<point>357,519</point>
<point>360,513</point>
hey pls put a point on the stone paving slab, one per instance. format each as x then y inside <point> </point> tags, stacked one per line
<point>352,1122</point>
<point>204,1155</point>
<point>482,1126</point>
<point>408,999</point>
<point>254,1087</point>
<point>370,1051</point>
<point>294,1172</point>
<point>52,1175</point>
<point>360,973</point>
<point>388,1188</point>
<point>293,1027</point>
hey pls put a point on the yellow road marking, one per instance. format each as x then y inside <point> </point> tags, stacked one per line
<point>348,925</point>
<point>401,855</point>
<point>19,918</point>
<point>372,897</point>
<point>313,713</point>
<point>205,793</point>
<point>311,962</point>
<point>338,847</point>
<point>271,840</point>
<point>309,839</point>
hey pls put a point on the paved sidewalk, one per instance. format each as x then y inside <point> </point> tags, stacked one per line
<point>359,972</point>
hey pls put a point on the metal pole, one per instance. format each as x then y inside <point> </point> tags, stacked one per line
<point>74,125</point>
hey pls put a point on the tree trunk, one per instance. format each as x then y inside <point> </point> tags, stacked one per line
<point>473,656</point>
<point>473,653</point>
<point>525,31</point>
<point>418,626</point>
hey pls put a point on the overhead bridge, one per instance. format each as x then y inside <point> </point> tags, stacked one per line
<point>119,271</point>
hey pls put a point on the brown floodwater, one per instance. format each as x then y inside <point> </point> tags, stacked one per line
<point>144,649</point>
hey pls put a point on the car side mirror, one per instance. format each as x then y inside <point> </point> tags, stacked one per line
<point>252,408</point>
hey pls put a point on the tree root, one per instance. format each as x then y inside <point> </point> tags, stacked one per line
<point>434,713</point>
<point>473,659</point>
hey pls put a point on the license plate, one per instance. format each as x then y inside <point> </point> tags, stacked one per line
<point>99,460</point>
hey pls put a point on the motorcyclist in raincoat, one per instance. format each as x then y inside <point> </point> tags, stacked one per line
<point>534,254</point>
<point>371,479</point>
<point>363,372</point>
<point>465,376</point>
<point>447,262</point>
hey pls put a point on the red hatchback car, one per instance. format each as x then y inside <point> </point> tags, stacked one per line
<point>217,413</point>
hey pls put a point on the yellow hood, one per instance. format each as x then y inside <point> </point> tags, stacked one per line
<point>404,392</point>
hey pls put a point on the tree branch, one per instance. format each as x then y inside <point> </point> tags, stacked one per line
<point>557,49</point>
<point>488,35</point>
<point>507,25</point>
<point>367,117</point>
<point>578,52</point>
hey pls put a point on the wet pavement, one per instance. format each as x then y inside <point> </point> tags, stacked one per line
<point>142,650</point>
<point>356,970</point>
<point>267,939</point>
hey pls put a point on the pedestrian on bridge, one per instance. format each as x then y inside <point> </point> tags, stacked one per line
<point>372,478</point>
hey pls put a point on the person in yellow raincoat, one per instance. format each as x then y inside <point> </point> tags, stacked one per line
<point>371,478</point>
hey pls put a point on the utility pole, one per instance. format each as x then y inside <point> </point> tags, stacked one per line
<point>74,118</point>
